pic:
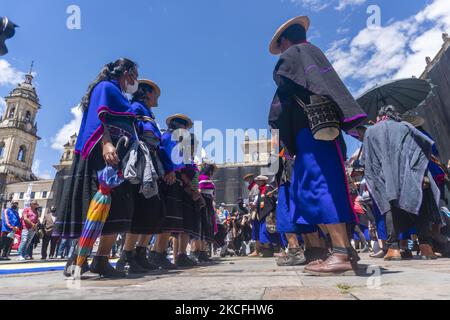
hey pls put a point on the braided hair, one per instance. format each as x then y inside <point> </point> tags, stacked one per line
<point>112,70</point>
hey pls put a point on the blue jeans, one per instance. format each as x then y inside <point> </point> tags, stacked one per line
<point>25,242</point>
<point>64,248</point>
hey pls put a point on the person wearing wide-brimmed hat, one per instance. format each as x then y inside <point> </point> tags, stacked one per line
<point>441,177</point>
<point>7,31</point>
<point>396,159</point>
<point>253,191</point>
<point>319,189</point>
<point>174,160</point>
<point>148,212</point>
<point>207,190</point>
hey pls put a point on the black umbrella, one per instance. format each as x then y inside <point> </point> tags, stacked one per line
<point>7,31</point>
<point>404,95</point>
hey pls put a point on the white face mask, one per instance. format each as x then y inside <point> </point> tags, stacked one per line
<point>131,89</point>
<point>247,184</point>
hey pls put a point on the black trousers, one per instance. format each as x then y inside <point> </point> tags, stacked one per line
<point>398,221</point>
<point>53,241</point>
<point>5,244</point>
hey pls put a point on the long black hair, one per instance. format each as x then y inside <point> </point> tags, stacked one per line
<point>112,70</point>
<point>208,169</point>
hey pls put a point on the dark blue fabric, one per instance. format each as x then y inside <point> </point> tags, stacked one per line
<point>140,109</point>
<point>13,217</point>
<point>285,214</point>
<point>105,94</point>
<point>171,154</point>
<point>265,237</point>
<point>255,230</point>
<point>365,230</point>
<point>380,222</point>
<point>319,187</point>
<point>407,235</point>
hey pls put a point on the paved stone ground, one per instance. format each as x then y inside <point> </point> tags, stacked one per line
<point>245,278</point>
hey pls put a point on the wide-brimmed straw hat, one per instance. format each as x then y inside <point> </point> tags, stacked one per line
<point>261,178</point>
<point>248,176</point>
<point>416,121</point>
<point>181,117</point>
<point>151,84</point>
<point>302,20</point>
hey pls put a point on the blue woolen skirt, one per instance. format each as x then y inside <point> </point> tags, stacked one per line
<point>255,230</point>
<point>379,220</point>
<point>319,182</point>
<point>265,237</point>
<point>285,213</point>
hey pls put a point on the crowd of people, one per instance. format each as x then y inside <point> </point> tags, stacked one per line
<point>29,229</point>
<point>313,212</point>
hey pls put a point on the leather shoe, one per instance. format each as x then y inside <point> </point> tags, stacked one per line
<point>337,264</point>
<point>426,252</point>
<point>393,255</point>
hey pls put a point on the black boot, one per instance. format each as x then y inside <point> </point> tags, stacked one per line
<point>101,266</point>
<point>141,259</point>
<point>161,261</point>
<point>203,257</point>
<point>71,263</point>
<point>183,261</point>
<point>128,258</point>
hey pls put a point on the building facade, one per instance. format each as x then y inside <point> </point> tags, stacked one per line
<point>18,134</point>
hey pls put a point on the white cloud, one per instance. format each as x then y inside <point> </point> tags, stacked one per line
<point>64,134</point>
<point>35,168</point>
<point>319,5</point>
<point>8,74</point>
<point>343,4</point>
<point>397,50</point>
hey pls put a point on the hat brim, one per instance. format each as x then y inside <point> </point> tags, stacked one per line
<point>151,84</point>
<point>248,176</point>
<point>182,117</point>
<point>416,121</point>
<point>303,21</point>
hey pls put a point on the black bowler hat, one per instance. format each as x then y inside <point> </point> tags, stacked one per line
<point>7,31</point>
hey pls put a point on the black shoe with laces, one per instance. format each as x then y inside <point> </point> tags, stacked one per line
<point>101,266</point>
<point>160,260</point>
<point>70,266</point>
<point>141,259</point>
<point>183,261</point>
<point>127,258</point>
<point>203,257</point>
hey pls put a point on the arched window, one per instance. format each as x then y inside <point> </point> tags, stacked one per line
<point>2,149</point>
<point>12,111</point>
<point>22,153</point>
<point>28,117</point>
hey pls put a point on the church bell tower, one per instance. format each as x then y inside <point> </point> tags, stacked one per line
<point>18,133</point>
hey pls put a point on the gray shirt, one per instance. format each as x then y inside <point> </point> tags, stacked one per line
<point>396,157</point>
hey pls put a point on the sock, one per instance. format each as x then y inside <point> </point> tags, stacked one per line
<point>341,250</point>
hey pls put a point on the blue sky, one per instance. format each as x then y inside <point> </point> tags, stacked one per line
<point>210,57</point>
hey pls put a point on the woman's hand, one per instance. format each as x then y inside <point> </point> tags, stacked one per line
<point>110,155</point>
<point>170,178</point>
